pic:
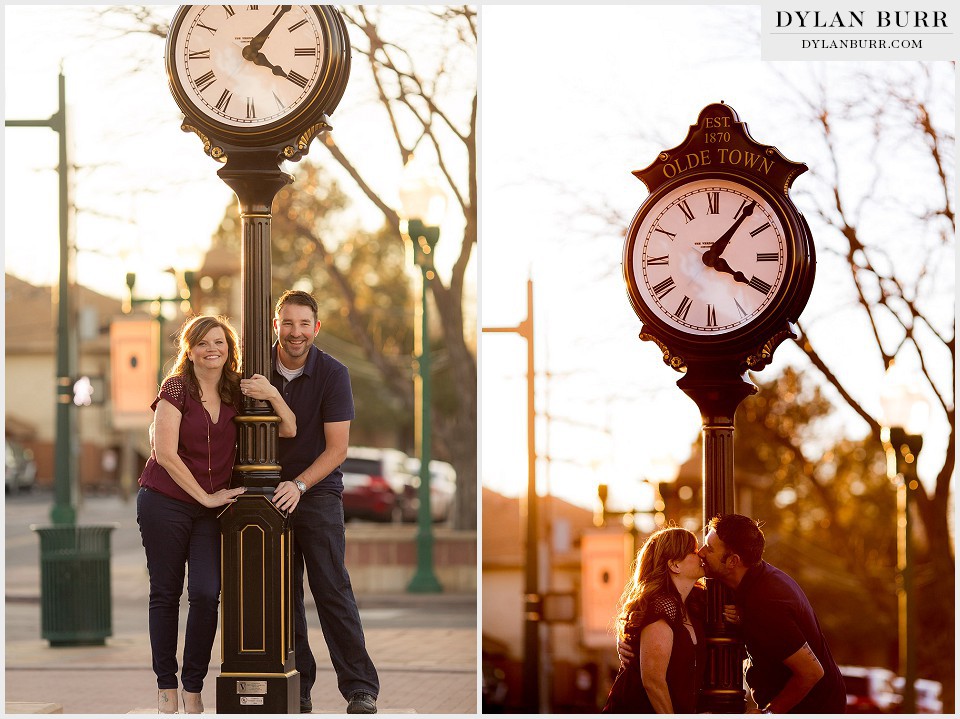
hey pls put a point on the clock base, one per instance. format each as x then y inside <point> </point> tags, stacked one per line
<point>258,694</point>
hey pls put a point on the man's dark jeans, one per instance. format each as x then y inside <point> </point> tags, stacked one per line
<point>319,544</point>
<point>175,535</point>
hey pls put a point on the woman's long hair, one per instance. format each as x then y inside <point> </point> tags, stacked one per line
<point>194,330</point>
<point>651,575</point>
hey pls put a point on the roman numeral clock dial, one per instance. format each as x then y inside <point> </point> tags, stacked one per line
<point>709,256</point>
<point>249,64</point>
<point>244,70</point>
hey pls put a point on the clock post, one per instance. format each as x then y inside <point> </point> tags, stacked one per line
<point>719,264</point>
<point>717,394</point>
<point>256,83</point>
<point>258,662</point>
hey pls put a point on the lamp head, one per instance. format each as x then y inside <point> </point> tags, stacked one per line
<point>904,405</point>
<point>422,196</point>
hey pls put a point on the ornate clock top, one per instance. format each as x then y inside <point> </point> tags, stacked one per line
<point>720,140</point>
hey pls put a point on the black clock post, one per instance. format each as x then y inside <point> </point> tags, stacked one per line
<point>253,113</point>
<point>258,665</point>
<point>718,265</point>
<point>717,392</point>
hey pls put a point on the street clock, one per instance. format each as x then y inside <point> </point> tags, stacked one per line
<point>253,76</point>
<point>718,261</point>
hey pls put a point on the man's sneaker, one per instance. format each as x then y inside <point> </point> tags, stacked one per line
<point>362,703</point>
<point>306,706</point>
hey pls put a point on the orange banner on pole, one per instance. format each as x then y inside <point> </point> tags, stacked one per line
<point>134,363</point>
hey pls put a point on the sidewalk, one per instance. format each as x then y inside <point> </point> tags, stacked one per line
<point>424,646</point>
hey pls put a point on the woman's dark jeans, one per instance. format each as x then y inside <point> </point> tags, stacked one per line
<point>177,535</point>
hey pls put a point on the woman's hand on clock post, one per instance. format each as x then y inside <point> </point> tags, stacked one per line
<point>711,256</point>
<point>258,387</point>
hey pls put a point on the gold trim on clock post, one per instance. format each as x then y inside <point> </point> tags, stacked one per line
<point>284,581</point>
<point>243,648</point>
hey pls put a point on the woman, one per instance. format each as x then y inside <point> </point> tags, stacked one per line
<point>185,480</point>
<point>661,618</point>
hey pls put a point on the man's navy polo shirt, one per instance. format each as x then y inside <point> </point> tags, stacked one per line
<point>321,394</point>
<point>777,620</point>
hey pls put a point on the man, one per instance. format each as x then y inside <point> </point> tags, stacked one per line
<point>317,388</point>
<point>791,669</point>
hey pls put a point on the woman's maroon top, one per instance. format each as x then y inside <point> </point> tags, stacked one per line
<point>208,448</point>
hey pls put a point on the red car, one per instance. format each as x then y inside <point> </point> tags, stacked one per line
<point>373,480</point>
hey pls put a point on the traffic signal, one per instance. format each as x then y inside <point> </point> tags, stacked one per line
<point>88,391</point>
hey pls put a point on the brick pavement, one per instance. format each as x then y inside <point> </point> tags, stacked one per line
<point>421,670</point>
<point>424,646</point>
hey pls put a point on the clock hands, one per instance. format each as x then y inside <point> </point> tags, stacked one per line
<point>712,256</point>
<point>721,265</point>
<point>250,51</point>
<point>261,60</point>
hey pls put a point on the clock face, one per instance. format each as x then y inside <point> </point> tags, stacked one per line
<point>248,66</point>
<point>708,257</point>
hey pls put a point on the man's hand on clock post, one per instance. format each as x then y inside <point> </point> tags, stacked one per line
<point>711,256</point>
<point>286,496</point>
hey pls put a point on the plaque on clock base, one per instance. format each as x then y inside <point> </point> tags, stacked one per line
<point>258,694</point>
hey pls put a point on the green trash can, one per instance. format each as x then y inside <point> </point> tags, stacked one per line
<point>75,601</point>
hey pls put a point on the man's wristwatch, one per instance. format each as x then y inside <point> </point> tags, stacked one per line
<point>300,485</point>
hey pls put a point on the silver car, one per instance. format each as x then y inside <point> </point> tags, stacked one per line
<point>21,469</point>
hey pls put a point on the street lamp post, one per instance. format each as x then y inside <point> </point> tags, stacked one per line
<point>74,559</point>
<point>533,599</point>
<point>423,204</point>
<point>64,511</point>
<point>905,413</point>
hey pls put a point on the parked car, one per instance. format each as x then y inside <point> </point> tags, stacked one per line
<point>21,470</point>
<point>443,487</point>
<point>927,695</point>
<point>870,690</point>
<point>494,687</point>
<point>373,479</point>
